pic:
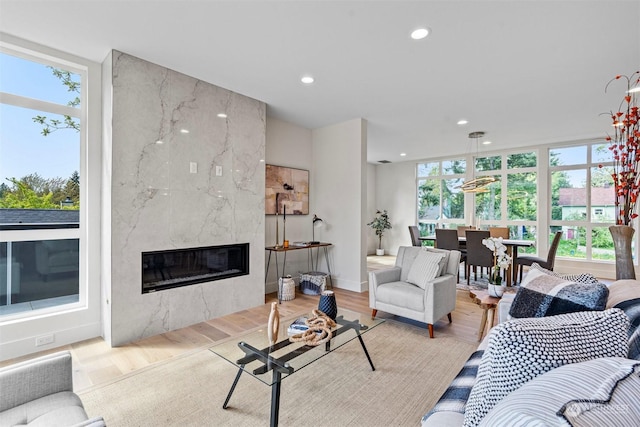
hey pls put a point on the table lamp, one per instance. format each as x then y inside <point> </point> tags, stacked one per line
<point>317,222</point>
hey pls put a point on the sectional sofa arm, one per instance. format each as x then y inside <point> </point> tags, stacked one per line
<point>26,381</point>
<point>378,277</point>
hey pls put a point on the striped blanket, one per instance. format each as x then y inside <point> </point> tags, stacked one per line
<point>455,396</point>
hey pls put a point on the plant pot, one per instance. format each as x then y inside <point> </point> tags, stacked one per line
<point>496,290</point>
<point>379,252</point>
<point>622,236</point>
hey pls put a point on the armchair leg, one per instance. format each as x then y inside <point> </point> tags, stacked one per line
<point>449,316</point>
<point>373,313</point>
<point>430,330</point>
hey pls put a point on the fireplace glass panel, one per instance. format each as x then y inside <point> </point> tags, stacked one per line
<point>181,267</point>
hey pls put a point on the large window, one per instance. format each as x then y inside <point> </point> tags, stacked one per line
<point>42,116</point>
<point>582,200</point>
<point>440,199</point>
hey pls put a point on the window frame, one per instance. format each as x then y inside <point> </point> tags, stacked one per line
<point>40,232</point>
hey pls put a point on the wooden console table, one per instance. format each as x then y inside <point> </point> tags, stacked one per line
<point>275,250</point>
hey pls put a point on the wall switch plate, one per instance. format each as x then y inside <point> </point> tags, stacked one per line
<point>193,167</point>
<point>218,170</point>
<point>44,340</point>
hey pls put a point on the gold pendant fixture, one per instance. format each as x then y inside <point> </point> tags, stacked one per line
<point>478,184</point>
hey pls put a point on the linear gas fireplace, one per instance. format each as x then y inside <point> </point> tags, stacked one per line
<point>182,267</point>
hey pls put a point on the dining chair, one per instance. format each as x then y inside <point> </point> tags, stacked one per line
<point>478,255</point>
<point>447,238</point>
<point>499,232</point>
<point>463,228</point>
<point>414,232</point>
<point>548,263</point>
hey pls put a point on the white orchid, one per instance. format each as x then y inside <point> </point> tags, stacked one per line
<point>501,260</point>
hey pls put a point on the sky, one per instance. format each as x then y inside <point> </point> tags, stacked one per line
<point>23,149</point>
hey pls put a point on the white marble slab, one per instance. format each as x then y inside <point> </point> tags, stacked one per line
<point>157,204</point>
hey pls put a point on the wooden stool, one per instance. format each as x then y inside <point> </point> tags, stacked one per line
<point>487,303</point>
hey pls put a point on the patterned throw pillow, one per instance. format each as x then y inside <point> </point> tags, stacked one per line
<point>599,392</point>
<point>521,349</point>
<point>577,278</point>
<point>542,294</point>
<point>425,268</point>
<point>444,262</point>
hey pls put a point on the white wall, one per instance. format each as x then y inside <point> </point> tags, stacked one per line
<point>339,196</point>
<point>289,145</point>
<point>395,192</point>
<point>372,239</point>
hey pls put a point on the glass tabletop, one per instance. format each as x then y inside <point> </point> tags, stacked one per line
<point>287,356</point>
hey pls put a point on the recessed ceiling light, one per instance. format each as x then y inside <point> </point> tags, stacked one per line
<point>462,122</point>
<point>420,33</point>
<point>486,142</point>
<point>184,131</point>
<point>222,115</point>
<point>307,80</point>
<point>159,142</point>
<point>403,154</point>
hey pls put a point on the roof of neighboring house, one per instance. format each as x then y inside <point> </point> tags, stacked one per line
<point>600,196</point>
<point>39,216</point>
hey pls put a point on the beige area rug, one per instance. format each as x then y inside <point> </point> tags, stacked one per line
<point>340,389</point>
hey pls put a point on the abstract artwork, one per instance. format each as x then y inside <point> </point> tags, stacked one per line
<point>286,187</point>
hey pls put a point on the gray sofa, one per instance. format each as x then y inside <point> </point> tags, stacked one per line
<point>390,289</point>
<point>39,393</point>
<point>542,400</point>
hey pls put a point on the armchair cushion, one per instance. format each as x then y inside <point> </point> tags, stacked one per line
<point>425,268</point>
<point>521,349</point>
<point>543,294</point>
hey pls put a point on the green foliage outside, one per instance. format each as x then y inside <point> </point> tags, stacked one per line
<point>34,192</point>
<point>521,197</point>
<point>73,86</point>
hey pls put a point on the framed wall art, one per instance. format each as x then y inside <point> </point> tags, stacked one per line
<point>286,187</point>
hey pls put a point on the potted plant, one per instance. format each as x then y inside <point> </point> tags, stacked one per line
<point>501,262</point>
<point>380,223</point>
<point>624,143</point>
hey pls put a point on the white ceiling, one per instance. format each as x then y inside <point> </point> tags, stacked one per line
<point>525,72</point>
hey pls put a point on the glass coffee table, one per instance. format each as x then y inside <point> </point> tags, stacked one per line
<point>271,364</point>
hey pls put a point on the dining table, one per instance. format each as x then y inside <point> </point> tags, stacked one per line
<point>512,248</point>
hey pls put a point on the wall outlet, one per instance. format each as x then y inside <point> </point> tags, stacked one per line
<point>44,340</point>
<point>218,170</point>
<point>193,167</point>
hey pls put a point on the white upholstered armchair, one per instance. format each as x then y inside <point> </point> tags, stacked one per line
<point>414,287</point>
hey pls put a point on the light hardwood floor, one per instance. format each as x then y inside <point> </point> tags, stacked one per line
<point>95,362</point>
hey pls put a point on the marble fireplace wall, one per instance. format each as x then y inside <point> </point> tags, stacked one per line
<point>165,127</point>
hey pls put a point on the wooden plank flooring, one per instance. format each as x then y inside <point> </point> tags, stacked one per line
<point>95,362</point>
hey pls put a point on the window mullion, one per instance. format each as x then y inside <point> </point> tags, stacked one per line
<point>36,104</point>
